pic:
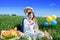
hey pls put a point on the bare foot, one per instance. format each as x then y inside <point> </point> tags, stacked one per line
<point>48,36</point>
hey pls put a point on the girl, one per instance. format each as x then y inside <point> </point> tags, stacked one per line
<point>31,28</point>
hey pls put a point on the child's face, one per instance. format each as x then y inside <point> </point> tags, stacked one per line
<point>31,16</point>
<point>29,10</point>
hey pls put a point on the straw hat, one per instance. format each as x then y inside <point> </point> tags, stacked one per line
<point>28,8</point>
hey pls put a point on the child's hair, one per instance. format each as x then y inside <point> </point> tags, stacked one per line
<point>32,13</point>
<point>26,10</point>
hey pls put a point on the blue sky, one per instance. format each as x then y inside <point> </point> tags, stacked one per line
<point>41,7</point>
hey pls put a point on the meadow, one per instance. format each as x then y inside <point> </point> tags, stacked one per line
<point>9,22</point>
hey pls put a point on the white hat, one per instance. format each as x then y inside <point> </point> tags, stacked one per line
<point>29,8</point>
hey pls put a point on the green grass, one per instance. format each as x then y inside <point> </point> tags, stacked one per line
<point>8,22</point>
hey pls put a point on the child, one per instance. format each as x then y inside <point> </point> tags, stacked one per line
<point>31,31</point>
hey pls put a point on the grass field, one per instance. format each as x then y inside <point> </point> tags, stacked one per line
<point>8,22</point>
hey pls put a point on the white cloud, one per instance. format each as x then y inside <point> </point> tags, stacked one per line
<point>52,4</point>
